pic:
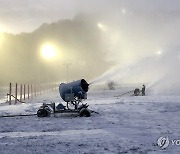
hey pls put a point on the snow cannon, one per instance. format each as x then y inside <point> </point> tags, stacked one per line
<point>74,90</point>
<point>73,93</point>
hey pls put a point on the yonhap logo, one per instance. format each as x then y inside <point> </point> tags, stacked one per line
<point>163,142</point>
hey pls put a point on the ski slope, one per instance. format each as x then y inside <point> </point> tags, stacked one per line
<point>126,124</point>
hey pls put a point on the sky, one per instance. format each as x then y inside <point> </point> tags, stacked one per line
<point>18,16</point>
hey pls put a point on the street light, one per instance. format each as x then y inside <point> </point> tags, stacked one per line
<point>48,51</point>
<point>159,52</point>
<point>67,64</point>
<point>102,26</point>
<point>123,11</point>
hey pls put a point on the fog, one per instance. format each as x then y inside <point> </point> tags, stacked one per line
<point>124,41</point>
<point>78,43</point>
<point>144,46</point>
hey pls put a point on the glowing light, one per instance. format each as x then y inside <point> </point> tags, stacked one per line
<point>123,11</point>
<point>159,52</point>
<point>1,38</point>
<point>2,28</point>
<point>102,26</point>
<point>48,51</point>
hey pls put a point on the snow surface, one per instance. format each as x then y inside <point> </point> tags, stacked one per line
<point>126,124</point>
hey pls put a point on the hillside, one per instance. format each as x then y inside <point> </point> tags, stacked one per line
<point>80,43</point>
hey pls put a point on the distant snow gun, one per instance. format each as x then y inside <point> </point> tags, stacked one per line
<point>73,94</point>
<point>136,92</point>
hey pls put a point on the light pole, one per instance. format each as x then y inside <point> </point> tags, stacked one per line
<point>67,70</point>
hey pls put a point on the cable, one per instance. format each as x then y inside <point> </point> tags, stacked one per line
<point>125,93</point>
<point>20,115</point>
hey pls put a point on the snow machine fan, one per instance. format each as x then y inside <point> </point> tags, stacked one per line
<point>74,92</point>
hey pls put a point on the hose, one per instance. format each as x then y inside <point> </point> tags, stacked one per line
<point>125,93</point>
<point>20,115</point>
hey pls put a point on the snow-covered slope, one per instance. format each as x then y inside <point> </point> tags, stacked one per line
<point>126,124</point>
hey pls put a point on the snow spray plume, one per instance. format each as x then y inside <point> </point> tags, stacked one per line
<point>141,50</point>
<point>156,70</point>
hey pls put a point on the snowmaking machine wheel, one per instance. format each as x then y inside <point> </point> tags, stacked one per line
<point>84,112</point>
<point>42,113</point>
